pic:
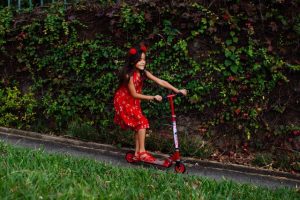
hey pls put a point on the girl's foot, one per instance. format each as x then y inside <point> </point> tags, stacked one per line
<point>146,157</point>
<point>136,157</point>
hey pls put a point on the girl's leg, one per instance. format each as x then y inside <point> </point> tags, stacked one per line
<point>137,143</point>
<point>143,155</point>
<point>141,134</point>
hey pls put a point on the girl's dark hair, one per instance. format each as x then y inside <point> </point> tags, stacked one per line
<point>134,56</point>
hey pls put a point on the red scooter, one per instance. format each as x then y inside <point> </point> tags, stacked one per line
<point>175,157</point>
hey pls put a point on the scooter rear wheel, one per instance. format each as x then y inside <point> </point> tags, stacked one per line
<point>180,168</point>
<point>129,157</point>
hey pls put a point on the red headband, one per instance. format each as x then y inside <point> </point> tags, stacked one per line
<point>133,51</point>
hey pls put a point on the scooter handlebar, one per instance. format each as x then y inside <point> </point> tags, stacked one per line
<point>172,96</point>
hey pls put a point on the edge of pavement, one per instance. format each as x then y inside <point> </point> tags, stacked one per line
<point>187,160</point>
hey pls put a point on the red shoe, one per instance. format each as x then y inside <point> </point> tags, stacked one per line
<point>146,157</point>
<point>135,158</point>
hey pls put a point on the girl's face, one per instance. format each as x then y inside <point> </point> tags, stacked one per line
<point>141,63</point>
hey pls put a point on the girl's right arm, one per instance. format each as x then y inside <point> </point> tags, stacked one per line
<point>165,84</point>
<point>141,96</point>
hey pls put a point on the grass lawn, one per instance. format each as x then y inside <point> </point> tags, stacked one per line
<point>32,174</point>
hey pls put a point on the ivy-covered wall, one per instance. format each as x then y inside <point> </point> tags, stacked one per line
<point>58,66</point>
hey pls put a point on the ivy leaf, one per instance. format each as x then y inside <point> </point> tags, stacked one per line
<point>234,68</point>
<point>235,39</point>
<point>297,28</point>
<point>226,73</point>
<point>256,66</point>
<point>228,42</point>
<point>228,62</point>
<point>227,53</point>
<point>194,33</point>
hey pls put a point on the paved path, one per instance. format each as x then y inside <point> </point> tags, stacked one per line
<point>115,156</point>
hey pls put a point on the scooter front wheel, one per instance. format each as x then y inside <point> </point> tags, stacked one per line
<point>129,157</point>
<point>180,168</point>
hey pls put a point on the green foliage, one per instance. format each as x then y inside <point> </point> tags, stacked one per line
<point>169,32</point>
<point>106,2</point>
<point>283,162</point>
<point>263,159</point>
<point>53,23</point>
<point>195,146</point>
<point>285,130</point>
<point>236,87</point>
<point>296,26</point>
<point>86,86</point>
<point>6,17</point>
<point>132,19</point>
<point>16,110</point>
<point>83,130</point>
<point>73,78</point>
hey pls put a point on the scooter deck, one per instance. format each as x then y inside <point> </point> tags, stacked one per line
<point>158,162</point>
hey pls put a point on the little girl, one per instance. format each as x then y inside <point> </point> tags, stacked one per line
<point>128,112</point>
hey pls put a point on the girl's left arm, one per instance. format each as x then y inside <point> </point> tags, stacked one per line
<point>164,83</point>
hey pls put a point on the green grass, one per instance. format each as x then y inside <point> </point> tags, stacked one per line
<point>32,174</point>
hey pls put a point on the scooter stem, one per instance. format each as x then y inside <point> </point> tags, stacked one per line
<point>170,97</point>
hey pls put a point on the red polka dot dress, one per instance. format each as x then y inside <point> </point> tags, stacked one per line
<point>128,112</point>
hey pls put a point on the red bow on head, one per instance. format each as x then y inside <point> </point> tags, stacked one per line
<point>143,48</point>
<point>132,51</point>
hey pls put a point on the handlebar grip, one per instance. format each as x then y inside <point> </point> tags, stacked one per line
<point>179,94</point>
<point>165,98</point>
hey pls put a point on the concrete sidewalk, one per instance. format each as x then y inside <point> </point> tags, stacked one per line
<point>115,156</point>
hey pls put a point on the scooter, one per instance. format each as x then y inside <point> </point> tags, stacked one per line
<point>175,157</point>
